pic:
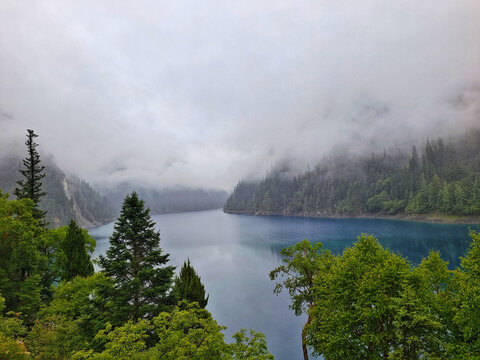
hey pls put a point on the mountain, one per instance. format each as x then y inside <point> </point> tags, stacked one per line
<point>442,178</point>
<point>168,200</point>
<point>68,197</point>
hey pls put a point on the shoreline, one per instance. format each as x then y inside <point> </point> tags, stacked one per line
<point>422,218</point>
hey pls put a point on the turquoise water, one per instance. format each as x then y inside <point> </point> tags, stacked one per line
<point>235,253</point>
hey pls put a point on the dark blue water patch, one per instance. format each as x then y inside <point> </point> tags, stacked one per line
<point>413,240</point>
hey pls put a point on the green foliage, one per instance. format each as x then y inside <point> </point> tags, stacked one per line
<point>355,302</point>
<point>467,316</point>
<point>137,265</point>
<point>122,343</point>
<point>189,287</point>
<point>77,261</point>
<point>20,257</point>
<point>12,332</point>
<point>12,349</point>
<point>83,301</point>
<point>189,332</point>
<point>300,263</point>
<point>31,186</point>
<point>253,347</point>
<point>55,338</point>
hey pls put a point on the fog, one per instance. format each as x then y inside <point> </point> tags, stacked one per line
<point>206,93</point>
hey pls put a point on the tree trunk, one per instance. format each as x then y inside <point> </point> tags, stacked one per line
<point>304,337</point>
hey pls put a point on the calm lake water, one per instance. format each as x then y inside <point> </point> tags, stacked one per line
<point>234,254</point>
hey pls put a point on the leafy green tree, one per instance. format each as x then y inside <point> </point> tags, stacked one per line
<point>12,333</point>
<point>77,260</point>
<point>417,330</point>
<point>436,289</point>
<point>55,338</point>
<point>300,264</point>
<point>250,348</point>
<point>137,265</point>
<point>31,186</point>
<point>467,316</point>
<point>189,332</point>
<point>20,257</point>
<point>122,343</point>
<point>354,302</point>
<point>189,287</point>
<point>84,302</point>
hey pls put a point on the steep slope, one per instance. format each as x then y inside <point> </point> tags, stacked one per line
<point>68,197</point>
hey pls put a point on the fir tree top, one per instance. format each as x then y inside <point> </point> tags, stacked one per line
<point>31,186</point>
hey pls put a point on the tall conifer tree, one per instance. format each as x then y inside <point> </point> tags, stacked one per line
<point>31,186</point>
<point>189,287</point>
<point>137,264</point>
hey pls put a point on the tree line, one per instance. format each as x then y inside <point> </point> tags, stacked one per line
<point>53,305</point>
<point>443,178</point>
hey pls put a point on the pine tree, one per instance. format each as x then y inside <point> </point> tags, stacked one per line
<point>188,286</point>
<point>77,260</point>
<point>137,264</point>
<point>31,186</point>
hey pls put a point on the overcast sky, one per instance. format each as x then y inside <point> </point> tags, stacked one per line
<point>205,93</point>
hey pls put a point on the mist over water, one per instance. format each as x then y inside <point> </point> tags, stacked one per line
<point>234,254</point>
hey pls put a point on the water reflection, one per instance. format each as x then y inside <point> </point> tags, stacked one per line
<point>235,253</point>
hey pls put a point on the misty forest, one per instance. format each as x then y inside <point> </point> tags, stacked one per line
<point>442,178</point>
<point>241,181</point>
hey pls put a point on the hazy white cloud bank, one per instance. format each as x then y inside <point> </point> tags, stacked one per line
<point>204,93</point>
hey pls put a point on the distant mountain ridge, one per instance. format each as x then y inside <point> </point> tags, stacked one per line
<point>175,199</point>
<point>68,197</point>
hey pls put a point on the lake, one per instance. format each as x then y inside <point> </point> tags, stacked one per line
<point>234,254</point>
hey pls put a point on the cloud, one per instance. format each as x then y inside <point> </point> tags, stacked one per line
<point>206,93</point>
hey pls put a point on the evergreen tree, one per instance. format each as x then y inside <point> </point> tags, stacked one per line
<point>77,260</point>
<point>189,287</point>
<point>31,186</point>
<point>137,264</point>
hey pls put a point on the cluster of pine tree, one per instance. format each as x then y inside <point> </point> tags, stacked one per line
<point>53,306</point>
<point>444,179</point>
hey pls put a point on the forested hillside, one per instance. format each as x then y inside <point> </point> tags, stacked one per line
<point>67,197</point>
<point>441,177</point>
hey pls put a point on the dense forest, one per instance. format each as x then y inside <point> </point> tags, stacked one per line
<point>441,178</point>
